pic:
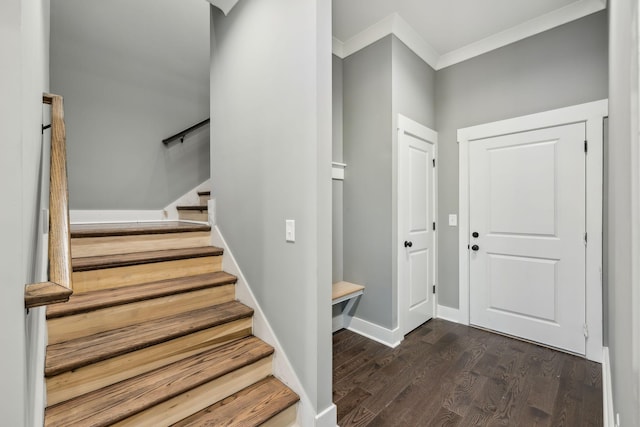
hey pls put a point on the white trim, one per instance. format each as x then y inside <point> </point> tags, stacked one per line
<point>407,126</point>
<point>224,5</point>
<point>553,19</point>
<point>327,417</point>
<point>607,391</point>
<point>591,114</point>
<point>93,216</point>
<point>282,367</point>
<point>389,337</point>
<point>337,170</point>
<point>448,313</point>
<point>337,47</point>
<point>394,24</point>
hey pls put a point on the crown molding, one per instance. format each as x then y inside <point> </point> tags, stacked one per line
<point>394,24</point>
<point>224,5</point>
<point>529,28</point>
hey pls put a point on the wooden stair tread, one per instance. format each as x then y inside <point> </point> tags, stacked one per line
<point>82,303</point>
<point>137,258</point>
<point>200,208</point>
<point>342,289</point>
<point>135,228</point>
<point>73,354</point>
<point>247,408</point>
<point>204,193</point>
<point>114,403</point>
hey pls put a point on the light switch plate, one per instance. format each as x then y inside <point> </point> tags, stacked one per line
<point>290,230</point>
<point>453,220</point>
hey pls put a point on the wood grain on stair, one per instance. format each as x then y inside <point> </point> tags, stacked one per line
<point>97,321</point>
<point>71,384</point>
<point>200,208</point>
<point>83,303</point>
<point>39,294</point>
<point>119,401</point>
<point>135,228</point>
<point>204,197</point>
<point>181,406</point>
<point>80,352</point>
<point>137,258</point>
<point>94,280</point>
<point>112,245</point>
<point>249,407</point>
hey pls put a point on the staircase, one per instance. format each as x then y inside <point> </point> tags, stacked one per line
<point>196,212</point>
<point>153,336</point>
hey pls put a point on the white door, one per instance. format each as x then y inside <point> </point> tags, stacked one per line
<point>527,260</point>
<point>416,216</point>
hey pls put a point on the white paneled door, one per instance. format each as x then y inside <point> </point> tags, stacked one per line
<point>527,244</point>
<point>416,216</point>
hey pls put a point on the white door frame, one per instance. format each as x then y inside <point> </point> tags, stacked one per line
<point>406,125</point>
<point>592,114</point>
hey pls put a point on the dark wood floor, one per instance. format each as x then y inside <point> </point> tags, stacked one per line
<point>445,374</point>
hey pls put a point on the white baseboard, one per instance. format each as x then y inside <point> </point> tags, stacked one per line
<point>607,391</point>
<point>282,368</point>
<point>390,338</point>
<point>448,313</point>
<point>327,417</point>
<point>92,216</point>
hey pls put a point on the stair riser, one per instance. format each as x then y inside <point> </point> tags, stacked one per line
<point>180,407</point>
<point>204,200</point>
<point>93,322</point>
<point>108,278</point>
<point>193,216</point>
<point>89,378</point>
<point>286,418</point>
<point>113,245</point>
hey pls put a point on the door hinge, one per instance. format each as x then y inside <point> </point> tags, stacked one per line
<point>586,146</point>
<point>434,162</point>
<point>434,225</point>
<point>585,329</point>
<point>434,289</point>
<point>585,239</point>
<point>45,127</point>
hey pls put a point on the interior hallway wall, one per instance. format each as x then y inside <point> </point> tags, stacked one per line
<point>623,257</point>
<point>379,81</point>
<point>561,67</point>
<point>271,161</point>
<point>132,74</point>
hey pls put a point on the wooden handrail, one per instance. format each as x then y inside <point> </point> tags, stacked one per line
<point>59,224</point>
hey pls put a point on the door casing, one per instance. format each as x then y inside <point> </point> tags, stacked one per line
<point>592,114</point>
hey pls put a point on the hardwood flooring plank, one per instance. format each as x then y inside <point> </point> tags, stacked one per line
<point>450,374</point>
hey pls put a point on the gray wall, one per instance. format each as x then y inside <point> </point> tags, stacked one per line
<point>413,86</point>
<point>560,67</point>
<point>380,82</point>
<point>368,183</point>
<point>271,161</point>
<point>23,78</point>
<point>132,74</point>
<point>623,137</point>
<point>337,191</point>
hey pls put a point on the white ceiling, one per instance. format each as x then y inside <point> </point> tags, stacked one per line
<point>448,31</point>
